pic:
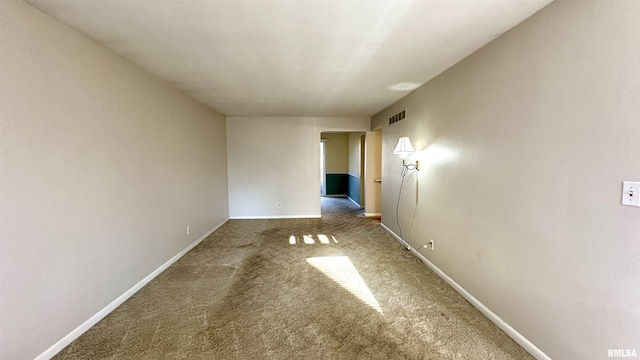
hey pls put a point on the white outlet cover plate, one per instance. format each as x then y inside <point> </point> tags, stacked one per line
<point>631,193</point>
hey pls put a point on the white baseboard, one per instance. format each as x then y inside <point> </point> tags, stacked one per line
<point>62,343</point>
<point>353,201</point>
<point>516,336</point>
<point>372,214</point>
<point>276,217</point>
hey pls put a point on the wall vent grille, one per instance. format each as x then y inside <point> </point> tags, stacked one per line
<point>397,117</point>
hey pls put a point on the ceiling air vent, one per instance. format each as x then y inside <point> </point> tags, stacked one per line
<point>397,117</point>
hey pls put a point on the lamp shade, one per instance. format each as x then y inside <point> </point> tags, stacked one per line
<point>404,147</point>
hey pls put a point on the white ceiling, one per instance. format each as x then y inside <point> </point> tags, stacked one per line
<point>293,57</point>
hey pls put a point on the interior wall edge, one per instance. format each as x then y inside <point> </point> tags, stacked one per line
<point>77,332</point>
<point>513,333</point>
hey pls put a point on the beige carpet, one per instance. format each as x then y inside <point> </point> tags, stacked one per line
<point>333,288</point>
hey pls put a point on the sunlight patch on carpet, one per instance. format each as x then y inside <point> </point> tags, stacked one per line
<point>341,270</point>
<point>309,239</point>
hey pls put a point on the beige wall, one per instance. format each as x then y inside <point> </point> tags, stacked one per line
<point>102,168</point>
<point>524,146</point>
<point>277,159</point>
<point>336,160</point>
<point>354,153</point>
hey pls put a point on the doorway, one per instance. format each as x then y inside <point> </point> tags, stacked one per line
<point>373,173</point>
<point>342,165</point>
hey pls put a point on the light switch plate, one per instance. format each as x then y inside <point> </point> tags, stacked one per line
<point>631,193</point>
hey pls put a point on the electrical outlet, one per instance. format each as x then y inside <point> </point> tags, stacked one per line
<point>188,229</point>
<point>429,245</point>
<point>279,204</point>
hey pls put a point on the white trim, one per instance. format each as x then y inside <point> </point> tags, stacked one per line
<point>353,201</point>
<point>66,340</point>
<point>276,217</point>
<point>372,214</point>
<point>515,335</point>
